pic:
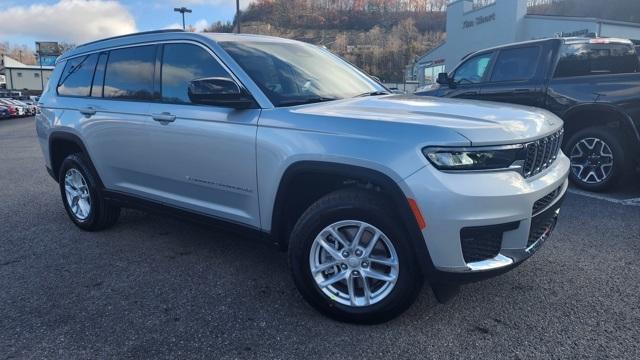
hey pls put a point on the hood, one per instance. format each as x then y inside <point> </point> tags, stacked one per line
<point>482,122</point>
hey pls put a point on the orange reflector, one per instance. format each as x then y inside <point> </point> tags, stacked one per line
<point>416,213</point>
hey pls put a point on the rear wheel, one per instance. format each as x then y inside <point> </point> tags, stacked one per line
<point>351,260</point>
<point>597,158</point>
<point>81,195</point>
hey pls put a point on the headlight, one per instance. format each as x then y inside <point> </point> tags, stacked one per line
<point>480,158</point>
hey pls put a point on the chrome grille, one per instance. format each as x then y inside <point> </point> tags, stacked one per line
<point>540,154</point>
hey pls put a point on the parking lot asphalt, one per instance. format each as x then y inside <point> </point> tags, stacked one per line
<point>157,287</point>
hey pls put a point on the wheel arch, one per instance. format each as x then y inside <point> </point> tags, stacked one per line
<point>586,115</point>
<point>62,144</point>
<point>375,180</point>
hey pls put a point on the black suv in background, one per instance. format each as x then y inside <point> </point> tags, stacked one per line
<point>593,84</point>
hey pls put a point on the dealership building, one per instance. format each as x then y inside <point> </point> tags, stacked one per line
<point>29,79</point>
<point>471,28</point>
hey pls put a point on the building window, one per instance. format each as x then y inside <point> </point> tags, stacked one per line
<point>36,75</point>
<point>431,73</point>
<point>19,74</point>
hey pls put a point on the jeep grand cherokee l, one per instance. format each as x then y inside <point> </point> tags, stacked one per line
<point>370,192</point>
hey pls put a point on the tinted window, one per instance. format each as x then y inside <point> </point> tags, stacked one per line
<point>295,73</point>
<point>129,73</point>
<point>473,70</point>
<point>182,63</point>
<point>516,64</point>
<point>98,78</point>
<point>594,59</point>
<point>77,75</point>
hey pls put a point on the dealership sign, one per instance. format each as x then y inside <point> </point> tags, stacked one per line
<point>479,21</point>
<point>47,48</point>
<point>584,32</point>
<point>47,60</point>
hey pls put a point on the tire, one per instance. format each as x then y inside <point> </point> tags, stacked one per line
<point>345,209</point>
<point>590,171</point>
<point>99,214</point>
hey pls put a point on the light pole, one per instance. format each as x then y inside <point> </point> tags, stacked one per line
<point>182,10</point>
<point>238,16</point>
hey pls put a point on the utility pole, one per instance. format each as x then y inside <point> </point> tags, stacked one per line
<point>238,16</point>
<point>182,10</point>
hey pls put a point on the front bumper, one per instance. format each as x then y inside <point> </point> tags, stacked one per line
<point>451,202</point>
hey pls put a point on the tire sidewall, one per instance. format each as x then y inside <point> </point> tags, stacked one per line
<point>404,289</point>
<point>614,144</point>
<point>76,161</point>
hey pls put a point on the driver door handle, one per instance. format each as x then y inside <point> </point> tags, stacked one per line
<point>164,117</point>
<point>88,111</point>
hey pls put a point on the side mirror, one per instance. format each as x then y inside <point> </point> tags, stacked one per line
<point>219,91</point>
<point>444,79</point>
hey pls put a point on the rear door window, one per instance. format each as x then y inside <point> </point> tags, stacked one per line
<point>77,76</point>
<point>130,73</point>
<point>516,64</point>
<point>596,59</point>
<point>473,70</point>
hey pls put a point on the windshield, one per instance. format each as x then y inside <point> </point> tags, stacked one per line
<point>293,74</point>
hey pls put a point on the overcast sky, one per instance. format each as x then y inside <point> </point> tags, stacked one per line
<point>78,21</point>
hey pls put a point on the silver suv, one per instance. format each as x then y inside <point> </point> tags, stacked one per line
<point>370,192</point>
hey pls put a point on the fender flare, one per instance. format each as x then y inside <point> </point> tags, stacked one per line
<point>66,136</point>
<point>394,192</point>
<point>603,107</point>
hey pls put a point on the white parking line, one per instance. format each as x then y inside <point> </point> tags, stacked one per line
<point>628,202</point>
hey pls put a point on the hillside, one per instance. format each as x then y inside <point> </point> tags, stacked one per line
<point>381,52</point>
<point>383,37</point>
<point>380,36</point>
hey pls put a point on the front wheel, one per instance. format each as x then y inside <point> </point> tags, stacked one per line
<point>597,158</point>
<point>351,260</point>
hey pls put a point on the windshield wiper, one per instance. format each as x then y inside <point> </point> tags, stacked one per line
<point>373,93</point>
<point>293,102</point>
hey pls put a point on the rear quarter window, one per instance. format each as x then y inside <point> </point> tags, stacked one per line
<point>77,76</point>
<point>596,59</point>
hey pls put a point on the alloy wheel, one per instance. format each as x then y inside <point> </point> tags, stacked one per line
<point>591,160</point>
<point>77,194</point>
<point>354,263</point>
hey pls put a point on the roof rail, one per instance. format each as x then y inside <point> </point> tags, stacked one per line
<point>132,34</point>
